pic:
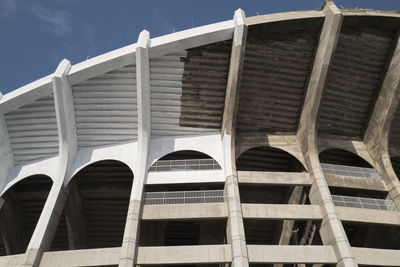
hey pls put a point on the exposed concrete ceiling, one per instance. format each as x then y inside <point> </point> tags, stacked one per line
<point>363,51</point>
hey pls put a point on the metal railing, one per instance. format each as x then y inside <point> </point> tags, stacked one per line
<point>365,203</point>
<point>184,197</point>
<point>349,171</point>
<point>184,165</point>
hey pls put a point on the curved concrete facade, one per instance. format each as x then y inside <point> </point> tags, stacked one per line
<point>291,84</point>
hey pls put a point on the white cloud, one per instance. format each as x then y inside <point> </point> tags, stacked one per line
<point>57,21</point>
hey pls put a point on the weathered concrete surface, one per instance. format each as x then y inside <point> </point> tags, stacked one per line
<point>288,143</point>
<point>378,257</point>
<point>368,215</point>
<point>235,228</point>
<point>376,137</point>
<point>81,258</point>
<point>185,211</point>
<point>354,146</point>
<point>12,261</point>
<point>291,254</point>
<point>185,254</point>
<point>331,230</point>
<point>284,16</point>
<point>355,182</point>
<point>274,178</point>
<point>281,211</point>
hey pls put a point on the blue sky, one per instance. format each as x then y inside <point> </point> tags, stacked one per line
<point>35,35</point>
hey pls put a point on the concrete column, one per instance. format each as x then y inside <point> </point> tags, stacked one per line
<point>235,227</point>
<point>332,232</point>
<point>46,227</point>
<point>130,242</point>
<point>376,136</point>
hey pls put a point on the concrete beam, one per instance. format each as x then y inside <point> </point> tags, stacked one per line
<point>274,178</point>
<point>355,182</point>
<point>376,136</point>
<point>387,217</point>
<point>331,231</point>
<point>377,257</point>
<point>291,254</point>
<point>130,241</point>
<point>185,211</point>
<point>281,212</point>
<point>45,229</point>
<point>81,258</point>
<point>297,197</point>
<point>206,254</point>
<point>235,73</point>
<point>285,16</point>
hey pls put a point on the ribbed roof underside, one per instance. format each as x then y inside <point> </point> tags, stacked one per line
<point>32,130</point>
<point>354,80</point>
<point>188,90</point>
<point>394,134</point>
<point>204,84</point>
<point>276,68</point>
<point>106,109</point>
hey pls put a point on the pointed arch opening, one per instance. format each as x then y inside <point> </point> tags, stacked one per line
<point>20,212</point>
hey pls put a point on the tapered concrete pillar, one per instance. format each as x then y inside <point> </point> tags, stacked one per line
<point>235,227</point>
<point>331,231</point>
<point>46,227</point>
<point>376,136</point>
<point>130,242</point>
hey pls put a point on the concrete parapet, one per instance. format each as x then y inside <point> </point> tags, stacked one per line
<point>81,258</point>
<point>274,178</point>
<point>285,254</point>
<point>378,257</point>
<point>185,254</point>
<point>281,212</point>
<point>185,211</point>
<point>368,215</point>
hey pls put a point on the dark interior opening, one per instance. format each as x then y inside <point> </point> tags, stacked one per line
<point>342,157</point>
<point>268,159</point>
<point>95,212</point>
<point>182,233</point>
<point>23,204</point>
<point>372,235</point>
<point>273,194</point>
<point>282,232</point>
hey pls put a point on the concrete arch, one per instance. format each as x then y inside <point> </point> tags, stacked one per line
<point>300,166</point>
<point>86,164</point>
<point>298,156</point>
<point>199,153</point>
<point>358,159</point>
<point>209,145</point>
